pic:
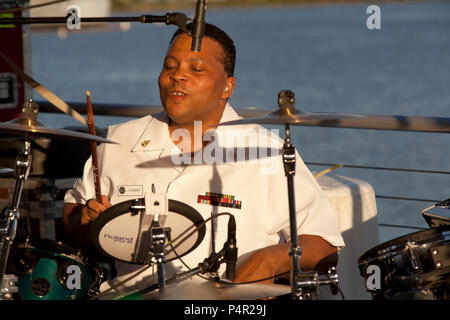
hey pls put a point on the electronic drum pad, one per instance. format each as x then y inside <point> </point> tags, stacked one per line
<point>115,232</point>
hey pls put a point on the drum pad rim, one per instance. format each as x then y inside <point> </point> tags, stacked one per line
<point>124,207</point>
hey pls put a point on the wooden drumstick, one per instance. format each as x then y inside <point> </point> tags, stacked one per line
<point>98,191</point>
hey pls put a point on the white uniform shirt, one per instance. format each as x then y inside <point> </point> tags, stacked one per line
<point>143,158</point>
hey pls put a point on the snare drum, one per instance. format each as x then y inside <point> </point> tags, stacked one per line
<point>414,266</point>
<point>52,270</point>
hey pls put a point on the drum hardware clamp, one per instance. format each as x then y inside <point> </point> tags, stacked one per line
<point>309,282</point>
<point>8,286</point>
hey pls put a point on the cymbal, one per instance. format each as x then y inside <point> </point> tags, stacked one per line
<point>209,290</point>
<point>364,121</point>
<point>6,170</point>
<point>352,121</point>
<point>16,128</point>
<point>388,122</point>
<point>43,91</point>
<point>296,118</point>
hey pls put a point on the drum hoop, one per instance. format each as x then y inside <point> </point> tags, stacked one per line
<point>48,246</point>
<point>397,245</point>
<point>124,207</point>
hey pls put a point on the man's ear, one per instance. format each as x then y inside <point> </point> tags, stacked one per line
<point>228,88</point>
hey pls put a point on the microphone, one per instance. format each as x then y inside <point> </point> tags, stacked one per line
<point>231,250</point>
<point>198,26</point>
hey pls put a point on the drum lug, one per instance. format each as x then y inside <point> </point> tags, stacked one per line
<point>440,255</point>
<point>414,262</point>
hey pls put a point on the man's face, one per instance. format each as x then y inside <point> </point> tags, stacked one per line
<point>192,85</point>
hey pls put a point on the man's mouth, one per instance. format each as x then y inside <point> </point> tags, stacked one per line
<point>177,93</point>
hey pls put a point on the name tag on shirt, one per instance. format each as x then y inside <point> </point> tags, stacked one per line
<point>130,190</point>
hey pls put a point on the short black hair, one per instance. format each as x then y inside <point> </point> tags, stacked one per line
<point>220,36</point>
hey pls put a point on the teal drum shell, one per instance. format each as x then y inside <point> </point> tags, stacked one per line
<point>52,270</point>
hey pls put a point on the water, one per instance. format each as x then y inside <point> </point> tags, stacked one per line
<point>325,54</point>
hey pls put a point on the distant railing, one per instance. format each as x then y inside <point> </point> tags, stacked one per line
<point>384,196</point>
<point>377,168</point>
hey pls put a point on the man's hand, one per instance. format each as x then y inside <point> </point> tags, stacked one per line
<point>92,209</point>
<point>77,218</point>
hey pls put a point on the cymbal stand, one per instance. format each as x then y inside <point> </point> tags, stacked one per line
<point>12,215</point>
<point>286,103</point>
<point>9,222</point>
<point>304,284</point>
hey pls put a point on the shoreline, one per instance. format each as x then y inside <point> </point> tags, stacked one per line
<point>218,5</point>
<point>159,8</point>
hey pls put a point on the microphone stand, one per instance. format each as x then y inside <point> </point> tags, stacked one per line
<point>210,264</point>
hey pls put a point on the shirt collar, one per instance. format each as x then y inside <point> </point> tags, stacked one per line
<point>155,135</point>
<point>229,114</point>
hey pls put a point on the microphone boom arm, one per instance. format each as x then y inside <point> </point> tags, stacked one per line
<point>176,18</point>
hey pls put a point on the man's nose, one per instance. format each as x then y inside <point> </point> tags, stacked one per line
<point>179,75</point>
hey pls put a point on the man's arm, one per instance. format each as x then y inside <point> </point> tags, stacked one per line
<point>77,219</point>
<point>317,254</point>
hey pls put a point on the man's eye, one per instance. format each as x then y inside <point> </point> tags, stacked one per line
<point>169,66</point>
<point>197,69</point>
